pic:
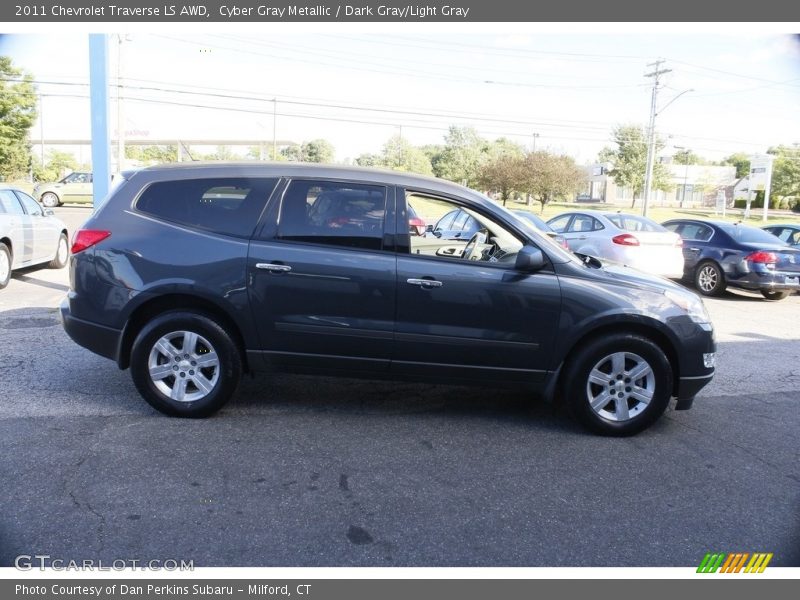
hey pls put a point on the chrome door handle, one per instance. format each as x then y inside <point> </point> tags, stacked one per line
<point>583,237</point>
<point>273,267</point>
<point>425,283</point>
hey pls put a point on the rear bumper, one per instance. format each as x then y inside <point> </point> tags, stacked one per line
<point>100,339</point>
<point>767,280</point>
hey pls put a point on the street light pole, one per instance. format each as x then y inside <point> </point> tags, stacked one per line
<point>651,132</point>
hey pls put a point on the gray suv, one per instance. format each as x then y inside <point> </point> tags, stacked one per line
<point>192,274</point>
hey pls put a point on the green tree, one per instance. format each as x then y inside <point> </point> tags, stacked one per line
<point>502,168</point>
<point>317,151</point>
<point>462,155</point>
<point>741,161</point>
<point>785,173</point>
<point>629,160</point>
<point>292,152</point>
<point>550,176</point>
<point>687,157</point>
<point>17,115</point>
<point>504,173</point>
<point>57,164</point>
<point>399,154</point>
<point>369,160</point>
<point>152,154</point>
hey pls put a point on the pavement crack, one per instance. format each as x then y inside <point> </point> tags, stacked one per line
<point>70,488</point>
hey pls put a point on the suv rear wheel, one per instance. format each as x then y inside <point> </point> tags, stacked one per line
<point>619,384</point>
<point>185,365</point>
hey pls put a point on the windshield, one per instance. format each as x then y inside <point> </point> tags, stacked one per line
<point>556,252</point>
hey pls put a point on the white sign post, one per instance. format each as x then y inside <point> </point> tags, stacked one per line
<point>722,199</point>
<point>761,177</point>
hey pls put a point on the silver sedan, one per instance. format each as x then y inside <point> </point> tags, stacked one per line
<point>29,234</point>
<point>630,240</point>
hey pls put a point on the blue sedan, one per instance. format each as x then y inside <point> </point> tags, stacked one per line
<point>718,254</point>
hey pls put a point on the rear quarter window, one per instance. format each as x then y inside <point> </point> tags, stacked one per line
<point>229,206</point>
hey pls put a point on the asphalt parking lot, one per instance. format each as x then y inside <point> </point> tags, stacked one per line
<point>301,471</point>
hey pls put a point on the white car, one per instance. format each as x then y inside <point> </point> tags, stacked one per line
<point>630,240</point>
<point>29,234</point>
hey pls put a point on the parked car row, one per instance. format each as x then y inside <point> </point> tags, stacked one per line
<point>712,255</point>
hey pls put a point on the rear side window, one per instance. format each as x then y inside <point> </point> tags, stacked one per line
<point>634,223</point>
<point>337,214</point>
<point>29,204</point>
<point>226,205</point>
<point>700,233</point>
<point>584,223</point>
<point>9,205</point>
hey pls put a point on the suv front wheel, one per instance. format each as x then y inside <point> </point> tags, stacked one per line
<point>619,384</point>
<point>185,365</point>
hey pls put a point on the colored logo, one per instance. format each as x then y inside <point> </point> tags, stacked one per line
<point>734,562</point>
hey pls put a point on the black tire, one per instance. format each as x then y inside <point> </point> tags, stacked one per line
<point>5,265</point>
<point>62,253</point>
<point>772,295</point>
<point>608,419</point>
<point>221,381</point>
<point>709,279</point>
<point>50,200</point>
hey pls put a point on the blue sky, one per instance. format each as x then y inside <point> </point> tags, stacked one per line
<point>358,86</point>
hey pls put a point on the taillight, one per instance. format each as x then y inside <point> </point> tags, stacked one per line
<point>416,226</point>
<point>625,239</point>
<point>86,238</point>
<point>762,257</point>
<point>563,241</point>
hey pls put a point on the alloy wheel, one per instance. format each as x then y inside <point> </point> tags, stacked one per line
<point>184,366</point>
<point>620,386</point>
<point>707,278</point>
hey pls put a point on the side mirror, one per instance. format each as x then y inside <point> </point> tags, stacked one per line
<point>529,259</point>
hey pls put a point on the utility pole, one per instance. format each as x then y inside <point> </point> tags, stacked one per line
<point>651,139</point>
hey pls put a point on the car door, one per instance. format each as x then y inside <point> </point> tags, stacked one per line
<point>585,234</point>
<point>77,188</point>
<point>470,319</point>
<point>696,241</point>
<point>20,228</point>
<point>43,231</point>
<point>321,276</point>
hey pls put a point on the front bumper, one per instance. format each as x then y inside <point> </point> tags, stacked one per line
<point>100,339</point>
<point>688,388</point>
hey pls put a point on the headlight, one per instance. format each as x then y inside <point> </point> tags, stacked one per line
<point>692,304</point>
